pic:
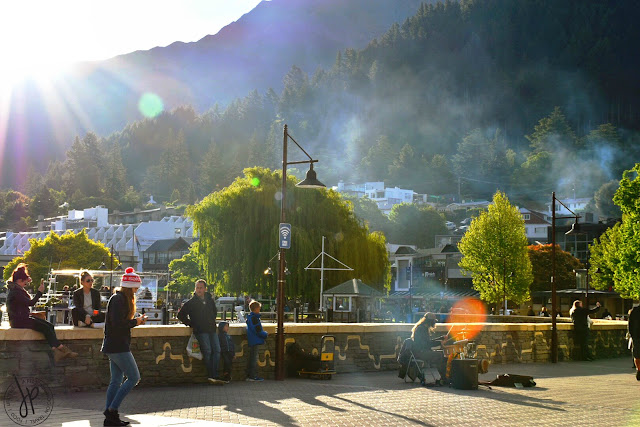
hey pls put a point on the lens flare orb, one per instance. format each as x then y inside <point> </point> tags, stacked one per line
<point>467,317</point>
<point>150,105</point>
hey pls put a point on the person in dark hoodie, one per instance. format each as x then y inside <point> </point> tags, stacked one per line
<point>200,313</point>
<point>227,350</point>
<point>121,311</point>
<point>18,303</point>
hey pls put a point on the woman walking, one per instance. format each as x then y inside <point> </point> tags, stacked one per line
<point>121,310</point>
<point>18,303</point>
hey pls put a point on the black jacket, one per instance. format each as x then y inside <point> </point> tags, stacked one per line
<point>78,302</point>
<point>634,324</point>
<point>200,314</point>
<point>18,303</point>
<point>117,327</point>
<point>579,317</point>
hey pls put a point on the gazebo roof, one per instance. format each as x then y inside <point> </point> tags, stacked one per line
<point>353,287</point>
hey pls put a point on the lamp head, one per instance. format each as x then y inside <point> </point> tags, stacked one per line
<point>119,267</point>
<point>311,180</point>
<point>268,272</point>
<point>575,228</point>
<point>103,266</point>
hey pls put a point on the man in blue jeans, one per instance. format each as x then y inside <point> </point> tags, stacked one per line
<point>200,313</point>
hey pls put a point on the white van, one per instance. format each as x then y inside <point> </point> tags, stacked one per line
<point>228,303</point>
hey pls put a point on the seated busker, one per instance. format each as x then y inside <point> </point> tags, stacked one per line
<point>18,303</point>
<point>425,339</point>
<point>87,303</point>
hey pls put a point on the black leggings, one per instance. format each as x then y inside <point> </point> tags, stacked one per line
<point>46,329</point>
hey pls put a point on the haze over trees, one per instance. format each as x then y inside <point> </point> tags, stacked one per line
<point>448,99</point>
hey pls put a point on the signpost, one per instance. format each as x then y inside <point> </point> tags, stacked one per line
<point>284,233</point>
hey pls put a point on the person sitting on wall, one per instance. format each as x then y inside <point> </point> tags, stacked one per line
<point>18,306</point>
<point>544,312</point>
<point>87,303</point>
<point>424,339</point>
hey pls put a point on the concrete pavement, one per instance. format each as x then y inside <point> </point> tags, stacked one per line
<point>568,393</point>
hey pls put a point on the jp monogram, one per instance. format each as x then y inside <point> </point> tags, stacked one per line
<point>28,401</point>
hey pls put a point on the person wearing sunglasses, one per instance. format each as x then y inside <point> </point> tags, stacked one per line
<point>87,303</point>
<point>18,303</point>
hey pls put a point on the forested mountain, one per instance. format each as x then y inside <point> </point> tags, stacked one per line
<point>524,96</point>
<point>252,53</point>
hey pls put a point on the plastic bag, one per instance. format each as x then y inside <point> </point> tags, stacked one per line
<point>589,322</point>
<point>193,348</point>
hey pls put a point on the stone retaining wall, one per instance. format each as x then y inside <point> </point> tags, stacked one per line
<point>162,358</point>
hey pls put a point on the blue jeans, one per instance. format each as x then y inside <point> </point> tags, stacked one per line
<point>210,347</point>
<point>121,364</point>
<point>252,372</point>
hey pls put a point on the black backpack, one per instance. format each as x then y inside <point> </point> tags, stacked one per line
<point>510,380</point>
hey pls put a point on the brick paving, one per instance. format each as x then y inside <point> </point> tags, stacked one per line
<point>569,393</point>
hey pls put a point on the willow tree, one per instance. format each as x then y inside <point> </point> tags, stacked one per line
<point>495,252</point>
<point>238,229</point>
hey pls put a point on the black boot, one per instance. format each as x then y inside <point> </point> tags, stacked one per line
<point>112,418</point>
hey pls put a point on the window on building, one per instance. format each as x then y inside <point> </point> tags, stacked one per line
<point>526,217</point>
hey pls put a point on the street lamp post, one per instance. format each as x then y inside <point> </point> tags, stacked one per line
<point>574,230</point>
<point>309,182</point>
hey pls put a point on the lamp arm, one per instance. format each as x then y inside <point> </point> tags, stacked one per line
<point>307,154</point>
<point>567,208</point>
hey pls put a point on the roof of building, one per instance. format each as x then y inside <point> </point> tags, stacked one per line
<point>167,245</point>
<point>353,287</point>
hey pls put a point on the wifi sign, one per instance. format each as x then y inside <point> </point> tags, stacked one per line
<point>284,235</point>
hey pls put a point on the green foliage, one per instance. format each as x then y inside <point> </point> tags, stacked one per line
<point>185,271</point>
<point>494,247</point>
<point>553,133</point>
<point>70,250</point>
<point>414,225</point>
<point>541,262</point>
<point>238,228</point>
<point>624,259</point>
<point>603,199</point>
<point>603,258</point>
<point>84,166</point>
<point>366,210</point>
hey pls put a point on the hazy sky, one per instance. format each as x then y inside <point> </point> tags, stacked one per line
<point>40,36</point>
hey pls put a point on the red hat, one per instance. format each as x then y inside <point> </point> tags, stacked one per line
<point>130,279</point>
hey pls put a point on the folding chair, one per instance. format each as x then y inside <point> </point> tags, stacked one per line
<point>418,368</point>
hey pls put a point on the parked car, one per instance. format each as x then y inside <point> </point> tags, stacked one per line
<point>450,225</point>
<point>466,221</point>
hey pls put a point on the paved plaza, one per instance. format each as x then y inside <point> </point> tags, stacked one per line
<point>603,392</point>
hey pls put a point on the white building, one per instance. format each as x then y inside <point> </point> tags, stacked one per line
<point>535,225</point>
<point>385,198</point>
<point>128,240</point>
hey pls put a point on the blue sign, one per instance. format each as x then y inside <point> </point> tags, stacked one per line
<point>284,236</point>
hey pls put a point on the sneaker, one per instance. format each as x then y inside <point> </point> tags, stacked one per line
<point>638,375</point>
<point>215,381</point>
<point>254,379</point>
